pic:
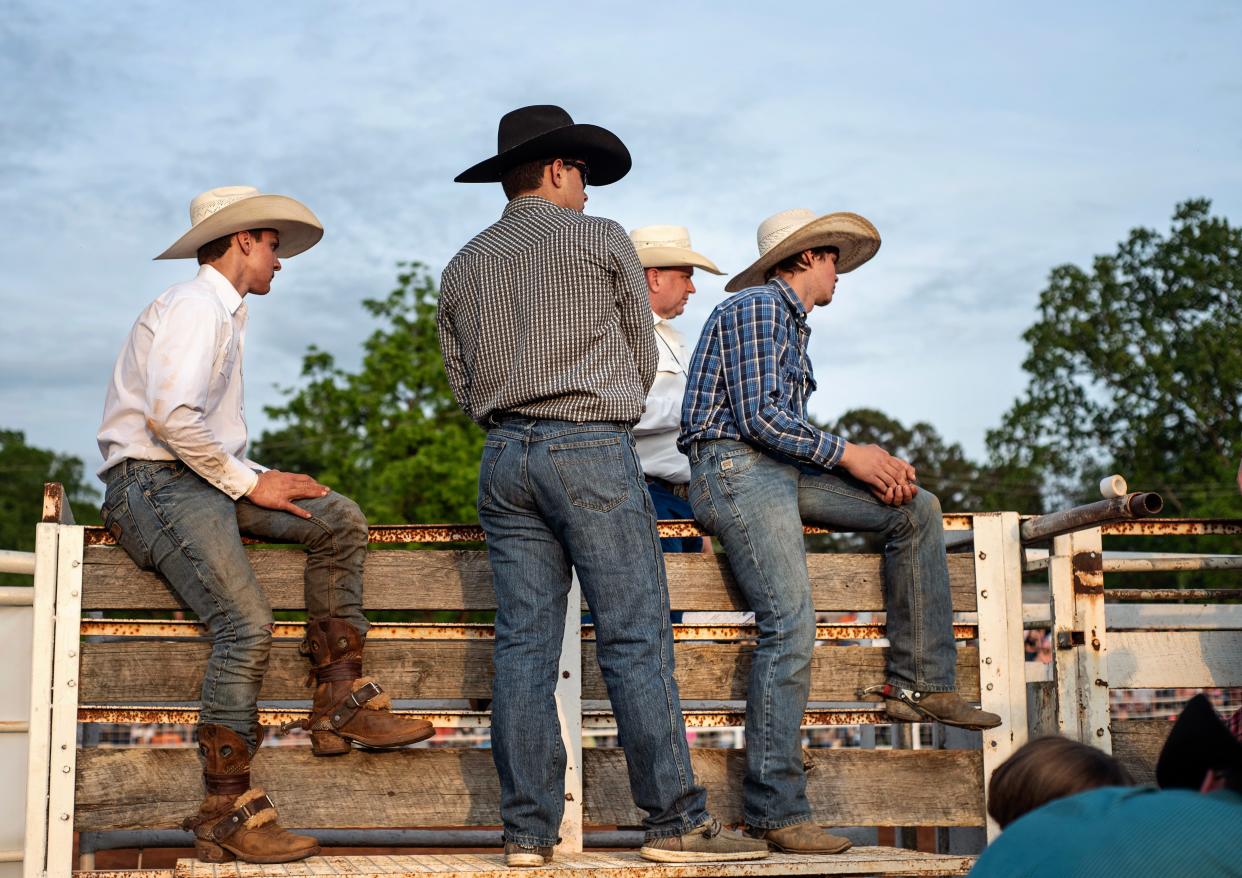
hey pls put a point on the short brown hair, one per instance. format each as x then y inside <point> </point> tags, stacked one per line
<point>213,250</point>
<point>796,263</point>
<point>1049,768</point>
<point>523,178</point>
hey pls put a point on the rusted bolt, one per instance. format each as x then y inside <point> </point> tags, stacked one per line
<point>992,744</point>
<point>983,556</point>
<point>1095,643</point>
<point>65,769</point>
<point>64,746</point>
<point>64,816</point>
<point>565,674</point>
<point>988,660</point>
<point>76,564</point>
<point>983,593</point>
<point>989,687</point>
<point>71,683</point>
<point>1099,733</point>
<point>1100,682</point>
<point>569,797</point>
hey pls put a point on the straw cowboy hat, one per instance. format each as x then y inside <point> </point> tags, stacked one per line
<point>1198,742</point>
<point>548,132</point>
<point>229,209</point>
<point>668,247</point>
<point>792,231</point>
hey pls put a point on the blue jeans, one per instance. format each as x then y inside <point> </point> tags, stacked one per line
<point>168,519</point>
<point>756,505</point>
<point>669,505</point>
<point>555,495</point>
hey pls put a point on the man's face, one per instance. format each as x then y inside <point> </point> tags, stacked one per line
<point>824,268</point>
<point>261,262</point>
<point>576,173</point>
<point>670,289</point>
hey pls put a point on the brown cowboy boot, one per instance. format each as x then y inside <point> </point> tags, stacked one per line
<point>907,705</point>
<point>348,706</point>
<point>237,821</point>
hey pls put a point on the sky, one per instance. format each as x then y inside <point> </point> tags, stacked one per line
<point>988,145</point>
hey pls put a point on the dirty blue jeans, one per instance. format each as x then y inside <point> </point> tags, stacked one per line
<point>555,495</point>
<point>168,519</point>
<point>756,505</point>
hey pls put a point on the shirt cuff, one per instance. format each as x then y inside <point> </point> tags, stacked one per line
<point>238,479</point>
<point>829,450</point>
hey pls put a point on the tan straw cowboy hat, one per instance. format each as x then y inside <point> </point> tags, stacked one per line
<point>229,209</point>
<point>792,231</point>
<point>668,247</point>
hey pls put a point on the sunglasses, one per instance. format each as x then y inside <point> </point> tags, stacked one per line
<point>583,168</point>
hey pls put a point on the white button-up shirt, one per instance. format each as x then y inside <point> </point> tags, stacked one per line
<point>656,431</point>
<point>176,390</point>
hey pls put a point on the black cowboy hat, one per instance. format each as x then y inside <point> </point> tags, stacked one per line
<point>547,132</point>
<point>1198,742</point>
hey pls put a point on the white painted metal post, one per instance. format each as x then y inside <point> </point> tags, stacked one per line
<point>1002,673</point>
<point>1064,660</point>
<point>64,738</point>
<point>1076,578</point>
<point>569,708</point>
<point>47,538</point>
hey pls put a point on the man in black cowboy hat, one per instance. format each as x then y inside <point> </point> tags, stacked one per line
<point>547,340</point>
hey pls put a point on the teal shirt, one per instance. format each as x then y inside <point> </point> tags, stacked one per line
<point>1134,832</point>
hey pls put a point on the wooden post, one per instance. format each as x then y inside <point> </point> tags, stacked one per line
<point>1002,673</point>
<point>63,750</point>
<point>569,709</point>
<point>34,862</point>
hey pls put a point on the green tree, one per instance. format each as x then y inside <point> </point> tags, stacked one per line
<point>1135,367</point>
<point>23,471</point>
<point>390,434</point>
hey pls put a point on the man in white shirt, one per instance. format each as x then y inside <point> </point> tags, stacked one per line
<point>181,492</point>
<point>668,264</point>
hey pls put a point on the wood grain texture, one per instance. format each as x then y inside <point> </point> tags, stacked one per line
<point>846,787</point>
<point>157,788</point>
<point>461,580</point>
<point>1137,743</point>
<point>147,671</point>
<point>1174,659</point>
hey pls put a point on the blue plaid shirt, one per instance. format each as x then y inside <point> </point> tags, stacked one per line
<point>750,378</point>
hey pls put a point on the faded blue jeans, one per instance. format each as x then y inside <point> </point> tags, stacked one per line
<point>756,505</point>
<point>555,495</point>
<point>168,519</point>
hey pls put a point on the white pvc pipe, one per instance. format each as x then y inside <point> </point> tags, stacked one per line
<point>17,562</point>
<point>16,596</point>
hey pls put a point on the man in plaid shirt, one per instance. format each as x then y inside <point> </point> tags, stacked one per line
<point>547,340</point>
<point>759,468</point>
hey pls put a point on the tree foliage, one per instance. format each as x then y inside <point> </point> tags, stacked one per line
<point>390,434</point>
<point>23,471</point>
<point>1135,367</point>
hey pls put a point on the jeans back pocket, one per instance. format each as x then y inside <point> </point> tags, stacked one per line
<point>593,472</point>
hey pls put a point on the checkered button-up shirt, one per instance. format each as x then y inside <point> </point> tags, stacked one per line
<point>545,313</point>
<point>750,378</point>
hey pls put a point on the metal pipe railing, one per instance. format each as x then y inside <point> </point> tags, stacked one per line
<point>1140,504</point>
<point>17,562</point>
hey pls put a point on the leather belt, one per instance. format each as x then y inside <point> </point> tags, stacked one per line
<point>681,491</point>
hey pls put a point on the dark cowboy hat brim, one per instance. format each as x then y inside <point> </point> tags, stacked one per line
<point>1198,742</point>
<point>602,150</point>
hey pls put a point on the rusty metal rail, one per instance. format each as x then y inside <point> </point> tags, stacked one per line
<point>184,629</point>
<point>1141,504</point>
<point>1172,594</point>
<point>696,718</point>
<point>1167,527</point>
<point>400,534</point>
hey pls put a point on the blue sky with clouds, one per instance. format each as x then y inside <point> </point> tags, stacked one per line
<point>988,142</point>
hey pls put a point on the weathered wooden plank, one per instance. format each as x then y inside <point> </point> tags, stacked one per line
<point>846,787</point>
<point>1172,659</point>
<point>460,580</point>
<point>620,864</point>
<point>1137,743</point>
<point>145,671</point>
<point>156,788</point>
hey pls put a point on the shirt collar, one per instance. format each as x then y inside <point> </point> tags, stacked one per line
<point>229,297</point>
<point>790,297</point>
<point>531,204</point>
